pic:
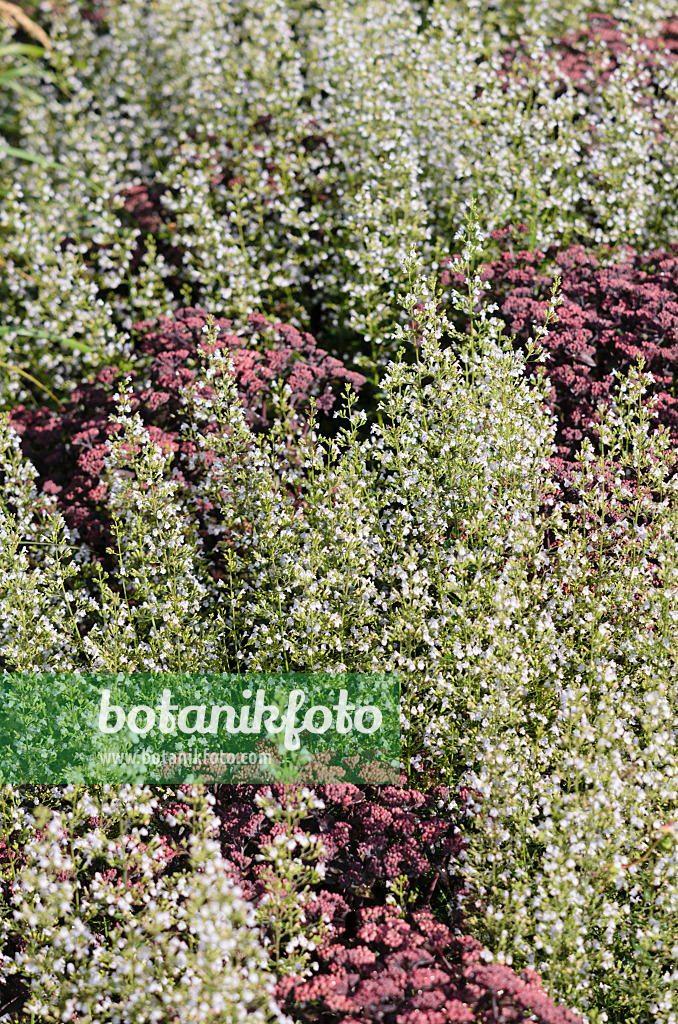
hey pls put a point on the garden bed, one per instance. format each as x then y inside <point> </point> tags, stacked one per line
<point>340,338</point>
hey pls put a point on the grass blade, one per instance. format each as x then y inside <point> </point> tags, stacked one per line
<point>22,154</point>
<point>17,369</point>
<point>29,332</point>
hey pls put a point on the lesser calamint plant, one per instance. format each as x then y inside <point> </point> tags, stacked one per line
<point>534,637</point>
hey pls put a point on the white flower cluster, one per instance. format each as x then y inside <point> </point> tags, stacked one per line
<point>291,863</point>
<point>300,151</point>
<point>297,150</point>
<point>535,639</point>
<point>108,933</point>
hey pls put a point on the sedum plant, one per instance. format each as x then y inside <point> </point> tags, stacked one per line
<point>377,951</point>
<point>610,316</point>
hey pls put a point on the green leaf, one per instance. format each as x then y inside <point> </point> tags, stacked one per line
<point>24,49</point>
<point>18,72</point>
<point>30,332</point>
<point>32,95</point>
<point>23,154</point>
<point>27,68</point>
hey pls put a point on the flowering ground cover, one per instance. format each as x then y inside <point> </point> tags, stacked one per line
<point>340,335</point>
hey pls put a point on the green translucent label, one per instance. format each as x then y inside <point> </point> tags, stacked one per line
<point>168,728</point>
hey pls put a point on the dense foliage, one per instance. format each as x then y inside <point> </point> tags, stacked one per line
<point>285,173</point>
<point>342,335</point>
